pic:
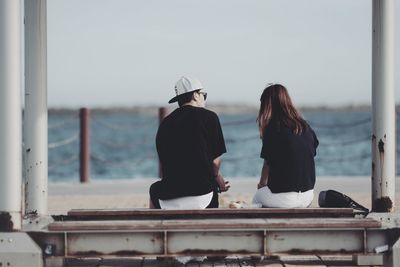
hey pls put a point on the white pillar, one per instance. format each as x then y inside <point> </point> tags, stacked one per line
<point>35,116</point>
<point>11,110</point>
<point>383,106</point>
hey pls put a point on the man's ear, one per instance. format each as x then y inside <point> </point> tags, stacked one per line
<point>195,96</point>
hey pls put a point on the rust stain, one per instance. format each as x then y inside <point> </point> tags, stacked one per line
<point>318,252</point>
<point>213,252</point>
<point>278,237</point>
<point>6,224</point>
<point>88,253</point>
<point>32,213</point>
<point>128,253</point>
<point>381,146</point>
<point>384,204</point>
<point>94,253</point>
<point>373,163</point>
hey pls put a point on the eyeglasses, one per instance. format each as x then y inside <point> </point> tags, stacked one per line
<point>204,94</point>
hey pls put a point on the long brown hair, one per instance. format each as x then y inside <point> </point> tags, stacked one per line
<point>276,107</point>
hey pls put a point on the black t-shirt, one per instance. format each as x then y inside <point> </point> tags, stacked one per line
<point>188,140</point>
<point>290,158</point>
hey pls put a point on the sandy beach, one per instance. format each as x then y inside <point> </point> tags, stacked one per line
<point>133,193</point>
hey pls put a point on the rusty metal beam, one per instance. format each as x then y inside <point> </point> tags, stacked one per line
<point>212,242</point>
<point>363,239</point>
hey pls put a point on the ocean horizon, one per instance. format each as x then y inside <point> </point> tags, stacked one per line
<point>123,142</point>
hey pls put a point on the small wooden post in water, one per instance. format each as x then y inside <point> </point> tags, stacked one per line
<point>162,113</point>
<point>84,167</point>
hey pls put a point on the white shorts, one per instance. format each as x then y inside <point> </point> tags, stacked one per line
<point>267,199</point>
<point>190,202</point>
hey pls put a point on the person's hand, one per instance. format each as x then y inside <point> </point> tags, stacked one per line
<point>222,184</point>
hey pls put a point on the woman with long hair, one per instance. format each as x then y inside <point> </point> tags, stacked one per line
<point>288,149</point>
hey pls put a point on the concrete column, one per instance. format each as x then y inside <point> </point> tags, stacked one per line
<point>10,114</point>
<point>35,115</point>
<point>383,106</point>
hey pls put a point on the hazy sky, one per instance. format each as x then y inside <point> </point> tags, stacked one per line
<point>127,52</point>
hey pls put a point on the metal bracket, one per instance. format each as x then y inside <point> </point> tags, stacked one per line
<point>388,220</point>
<point>18,249</point>
<point>368,260</point>
<point>32,223</point>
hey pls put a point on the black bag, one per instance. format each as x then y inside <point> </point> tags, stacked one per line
<point>335,199</point>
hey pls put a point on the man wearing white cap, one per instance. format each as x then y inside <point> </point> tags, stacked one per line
<point>189,143</point>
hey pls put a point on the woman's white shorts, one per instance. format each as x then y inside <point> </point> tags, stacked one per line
<point>267,199</point>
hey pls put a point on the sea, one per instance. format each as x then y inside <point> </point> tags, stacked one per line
<point>122,144</point>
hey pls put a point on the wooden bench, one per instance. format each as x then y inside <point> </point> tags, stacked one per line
<point>154,214</point>
<point>213,224</point>
<point>145,232</point>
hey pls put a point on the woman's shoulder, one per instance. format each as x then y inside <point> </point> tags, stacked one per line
<point>308,128</point>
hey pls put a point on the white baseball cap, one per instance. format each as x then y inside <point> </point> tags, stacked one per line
<point>185,85</point>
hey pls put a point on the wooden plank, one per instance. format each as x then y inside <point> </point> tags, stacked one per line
<point>112,214</point>
<point>142,225</point>
<point>306,223</point>
<point>210,224</point>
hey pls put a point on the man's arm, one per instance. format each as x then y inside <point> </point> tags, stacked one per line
<point>223,186</point>
<point>264,175</point>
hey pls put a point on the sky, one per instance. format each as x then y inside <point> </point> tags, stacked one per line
<point>108,53</point>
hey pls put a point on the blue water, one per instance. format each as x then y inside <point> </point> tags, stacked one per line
<point>123,147</point>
